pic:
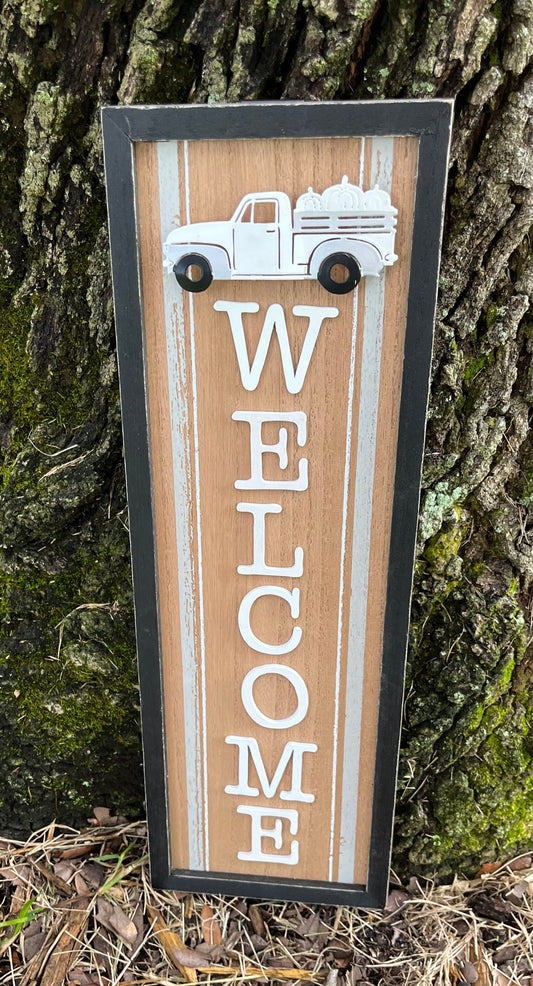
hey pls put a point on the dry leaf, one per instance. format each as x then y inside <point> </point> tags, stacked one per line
<point>395,900</point>
<point>53,878</point>
<point>310,926</point>
<point>210,926</point>
<point>18,875</point>
<point>138,920</point>
<point>314,929</point>
<point>64,869</point>
<point>94,874</point>
<point>78,851</point>
<point>190,958</point>
<point>522,863</point>
<point>14,957</point>
<point>344,961</point>
<point>115,919</point>
<point>505,954</point>
<point>103,818</point>
<point>105,952</point>
<point>171,942</point>
<point>213,952</point>
<point>256,917</point>
<point>32,944</point>
<point>281,963</point>
<point>487,868</point>
<point>500,979</point>
<point>470,973</point>
<point>515,894</point>
<point>81,887</point>
<point>79,977</point>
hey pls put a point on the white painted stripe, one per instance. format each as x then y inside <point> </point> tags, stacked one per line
<point>349,416</point>
<point>381,172</point>
<point>199,536</point>
<point>167,153</point>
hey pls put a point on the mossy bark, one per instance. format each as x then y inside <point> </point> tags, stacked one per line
<point>69,701</point>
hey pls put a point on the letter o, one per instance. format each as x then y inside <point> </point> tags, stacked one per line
<point>297,683</point>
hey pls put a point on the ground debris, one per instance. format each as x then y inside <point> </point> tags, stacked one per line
<point>77,909</point>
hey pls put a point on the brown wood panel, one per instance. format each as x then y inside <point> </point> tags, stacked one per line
<point>309,519</point>
<point>217,174</point>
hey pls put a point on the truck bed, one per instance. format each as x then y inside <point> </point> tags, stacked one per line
<point>342,222</point>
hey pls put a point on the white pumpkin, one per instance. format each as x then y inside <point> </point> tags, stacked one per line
<point>310,201</point>
<point>343,198</point>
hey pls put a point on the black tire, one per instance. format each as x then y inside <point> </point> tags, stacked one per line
<point>339,287</point>
<point>190,260</point>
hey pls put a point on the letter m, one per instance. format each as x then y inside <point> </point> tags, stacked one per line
<point>295,751</point>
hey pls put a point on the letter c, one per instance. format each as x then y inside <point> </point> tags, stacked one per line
<point>292,598</point>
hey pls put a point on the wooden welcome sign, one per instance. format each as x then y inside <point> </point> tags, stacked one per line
<point>275,273</point>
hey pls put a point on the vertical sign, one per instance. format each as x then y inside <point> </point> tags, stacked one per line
<point>275,270</point>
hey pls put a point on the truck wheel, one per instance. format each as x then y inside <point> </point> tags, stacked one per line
<point>352,273</point>
<point>193,283</point>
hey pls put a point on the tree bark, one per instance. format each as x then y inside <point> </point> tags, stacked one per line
<point>69,701</point>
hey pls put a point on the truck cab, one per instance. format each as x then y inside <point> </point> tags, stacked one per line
<point>258,244</point>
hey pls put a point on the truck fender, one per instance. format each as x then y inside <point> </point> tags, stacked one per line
<point>216,256</point>
<point>367,256</point>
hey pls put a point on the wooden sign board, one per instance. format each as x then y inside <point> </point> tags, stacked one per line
<point>275,270</point>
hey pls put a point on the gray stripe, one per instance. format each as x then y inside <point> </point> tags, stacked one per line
<point>203,723</point>
<point>169,204</point>
<point>381,170</point>
<point>347,468</point>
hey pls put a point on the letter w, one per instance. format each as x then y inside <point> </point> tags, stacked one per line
<point>274,322</point>
<point>247,745</point>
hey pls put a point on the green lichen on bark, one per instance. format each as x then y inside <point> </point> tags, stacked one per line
<point>467,739</point>
<point>69,698</point>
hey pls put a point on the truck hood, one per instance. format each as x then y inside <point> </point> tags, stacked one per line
<point>198,234</point>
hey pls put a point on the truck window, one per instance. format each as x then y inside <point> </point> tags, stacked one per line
<point>246,214</point>
<point>265,212</point>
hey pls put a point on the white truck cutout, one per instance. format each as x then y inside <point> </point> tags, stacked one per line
<point>344,228</point>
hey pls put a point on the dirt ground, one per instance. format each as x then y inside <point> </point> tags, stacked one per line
<point>77,908</point>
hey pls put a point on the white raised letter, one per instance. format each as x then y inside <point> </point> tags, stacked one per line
<point>259,565</point>
<point>276,834</point>
<point>247,634</point>
<point>247,745</point>
<point>257,449</point>
<point>296,681</point>
<point>274,322</point>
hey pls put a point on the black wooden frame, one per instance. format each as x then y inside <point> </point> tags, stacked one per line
<point>430,121</point>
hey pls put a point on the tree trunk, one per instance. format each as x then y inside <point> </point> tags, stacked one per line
<point>69,705</point>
